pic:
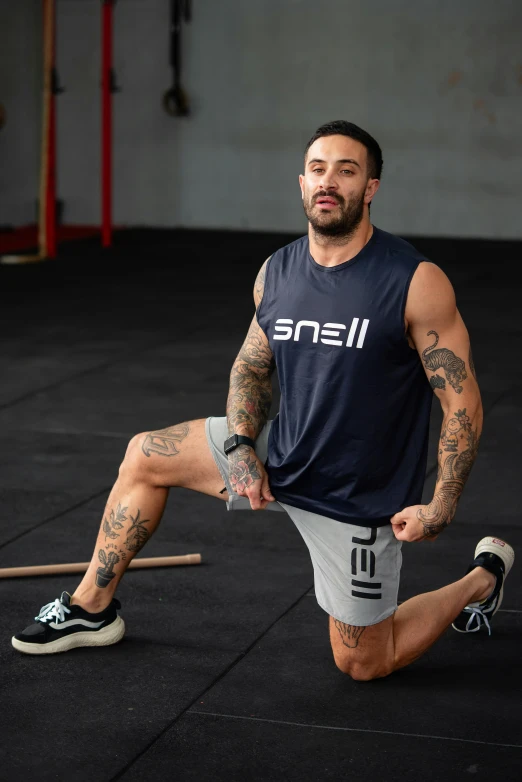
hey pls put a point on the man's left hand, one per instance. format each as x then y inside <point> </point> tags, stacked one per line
<point>407,526</point>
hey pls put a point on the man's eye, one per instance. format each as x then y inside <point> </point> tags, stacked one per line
<point>346,171</point>
<point>317,170</point>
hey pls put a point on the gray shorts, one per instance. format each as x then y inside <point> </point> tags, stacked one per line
<point>356,569</point>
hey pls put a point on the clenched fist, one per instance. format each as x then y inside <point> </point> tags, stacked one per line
<point>249,478</point>
<point>417,522</point>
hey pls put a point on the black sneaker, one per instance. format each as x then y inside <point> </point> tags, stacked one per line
<point>61,626</point>
<point>497,556</point>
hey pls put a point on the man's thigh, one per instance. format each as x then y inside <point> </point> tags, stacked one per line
<point>356,579</point>
<point>178,455</point>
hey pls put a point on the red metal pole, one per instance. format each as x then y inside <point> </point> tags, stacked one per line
<point>106,173</point>
<point>51,159</point>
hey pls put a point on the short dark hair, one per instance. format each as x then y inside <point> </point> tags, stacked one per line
<point>341,127</point>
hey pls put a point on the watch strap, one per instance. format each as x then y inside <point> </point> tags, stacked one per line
<point>237,439</point>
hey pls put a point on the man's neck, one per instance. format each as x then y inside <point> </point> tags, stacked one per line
<point>329,251</point>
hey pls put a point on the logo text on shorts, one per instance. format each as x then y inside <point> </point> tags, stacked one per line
<point>363,561</point>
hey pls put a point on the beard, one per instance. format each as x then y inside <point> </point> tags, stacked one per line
<point>340,225</point>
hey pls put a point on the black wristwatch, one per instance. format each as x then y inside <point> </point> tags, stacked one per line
<point>237,439</point>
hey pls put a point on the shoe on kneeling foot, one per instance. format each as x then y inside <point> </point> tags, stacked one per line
<point>497,556</point>
<point>61,626</point>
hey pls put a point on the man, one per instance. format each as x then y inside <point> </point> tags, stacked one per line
<point>362,330</point>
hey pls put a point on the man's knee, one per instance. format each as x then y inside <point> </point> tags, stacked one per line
<point>364,671</point>
<point>363,652</point>
<point>137,463</point>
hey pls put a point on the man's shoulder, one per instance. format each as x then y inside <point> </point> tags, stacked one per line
<point>398,246</point>
<point>292,249</point>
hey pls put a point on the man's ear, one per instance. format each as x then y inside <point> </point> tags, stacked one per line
<point>371,190</point>
<point>301,180</point>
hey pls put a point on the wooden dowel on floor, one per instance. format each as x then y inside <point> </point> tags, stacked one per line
<point>81,567</point>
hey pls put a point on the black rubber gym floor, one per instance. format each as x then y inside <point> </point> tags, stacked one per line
<point>226,672</point>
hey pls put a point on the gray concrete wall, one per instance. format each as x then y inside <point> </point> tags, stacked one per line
<point>438,84</point>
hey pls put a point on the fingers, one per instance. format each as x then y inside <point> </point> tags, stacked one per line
<point>258,493</point>
<point>265,489</point>
<point>406,526</point>
<point>399,531</point>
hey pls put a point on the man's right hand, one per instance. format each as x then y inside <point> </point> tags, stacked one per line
<point>249,478</point>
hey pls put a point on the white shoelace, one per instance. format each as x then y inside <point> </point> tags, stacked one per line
<point>54,610</point>
<point>476,613</point>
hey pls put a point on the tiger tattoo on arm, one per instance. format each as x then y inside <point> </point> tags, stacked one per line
<point>442,358</point>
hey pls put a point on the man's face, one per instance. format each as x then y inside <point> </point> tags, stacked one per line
<point>335,186</point>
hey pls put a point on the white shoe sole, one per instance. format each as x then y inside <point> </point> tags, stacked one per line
<point>498,547</point>
<point>109,635</point>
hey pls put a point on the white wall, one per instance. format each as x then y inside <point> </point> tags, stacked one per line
<point>439,84</point>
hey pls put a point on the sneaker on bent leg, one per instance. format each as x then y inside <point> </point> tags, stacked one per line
<point>497,556</point>
<point>61,626</point>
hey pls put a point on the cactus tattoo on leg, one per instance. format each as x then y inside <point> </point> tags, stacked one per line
<point>105,574</point>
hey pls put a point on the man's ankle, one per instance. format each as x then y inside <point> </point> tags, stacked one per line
<point>92,603</point>
<point>487,584</point>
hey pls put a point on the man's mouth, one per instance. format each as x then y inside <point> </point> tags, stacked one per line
<point>326,202</point>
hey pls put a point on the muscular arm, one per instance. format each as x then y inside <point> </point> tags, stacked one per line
<point>248,403</point>
<point>438,332</point>
<point>250,391</point>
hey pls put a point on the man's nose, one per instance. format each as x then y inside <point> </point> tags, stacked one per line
<point>328,181</point>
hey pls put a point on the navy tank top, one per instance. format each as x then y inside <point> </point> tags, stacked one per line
<point>351,436</point>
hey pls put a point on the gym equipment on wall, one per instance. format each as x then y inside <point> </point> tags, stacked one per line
<point>47,199</point>
<point>47,215</point>
<point>175,100</point>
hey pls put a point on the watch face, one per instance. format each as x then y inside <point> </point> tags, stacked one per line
<point>231,443</point>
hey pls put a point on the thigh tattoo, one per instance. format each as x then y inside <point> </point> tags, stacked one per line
<point>163,441</point>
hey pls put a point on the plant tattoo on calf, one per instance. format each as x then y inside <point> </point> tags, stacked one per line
<point>442,358</point>
<point>137,535</point>
<point>114,522</point>
<point>136,538</point>
<point>163,441</point>
<point>453,471</point>
<point>350,634</point>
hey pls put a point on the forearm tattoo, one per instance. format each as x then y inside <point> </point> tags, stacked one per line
<point>250,396</point>
<point>250,392</point>
<point>457,452</point>
<point>350,634</point>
